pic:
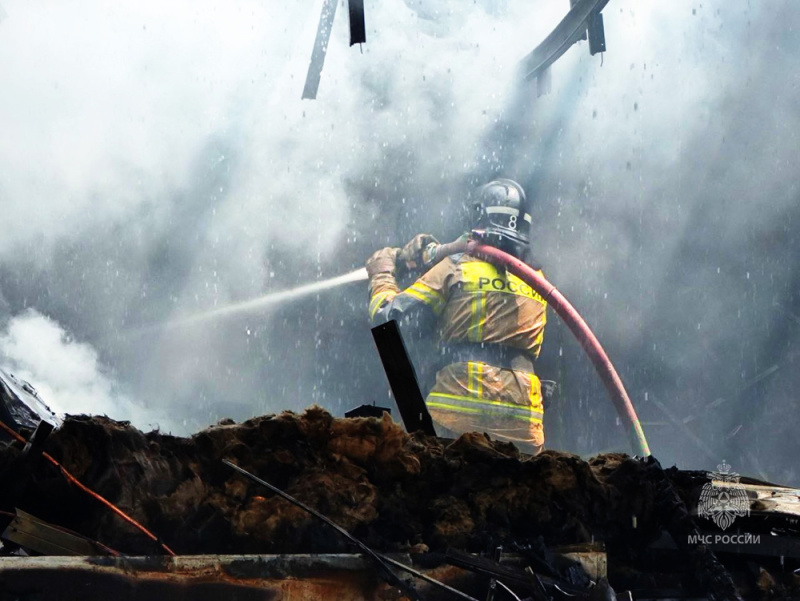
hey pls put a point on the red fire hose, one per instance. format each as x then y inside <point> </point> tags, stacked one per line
<point>575,322</point>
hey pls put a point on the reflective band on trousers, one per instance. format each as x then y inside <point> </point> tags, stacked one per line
<point>475,378</point>
<point>465,404</point>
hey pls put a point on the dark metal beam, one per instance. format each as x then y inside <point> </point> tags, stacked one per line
<point>320,49</point>
<point>571,29</point>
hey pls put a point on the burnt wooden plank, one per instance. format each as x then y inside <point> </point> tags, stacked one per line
<point>402,378</point>
<point>36,535</point>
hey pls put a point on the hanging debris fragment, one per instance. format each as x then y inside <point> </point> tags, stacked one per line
<point>358,28</point>
<point>597,33</point>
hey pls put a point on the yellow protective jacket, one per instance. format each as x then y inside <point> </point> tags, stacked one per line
<point>477,307</point>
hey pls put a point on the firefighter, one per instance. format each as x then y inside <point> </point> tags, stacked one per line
<point>489,323</point>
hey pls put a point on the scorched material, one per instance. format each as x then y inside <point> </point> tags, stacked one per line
<point>394,491</point>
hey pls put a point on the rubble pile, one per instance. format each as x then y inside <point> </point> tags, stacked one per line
<point>429,497</point>
<point>394,491</point>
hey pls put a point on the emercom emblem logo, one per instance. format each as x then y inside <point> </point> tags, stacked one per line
<point>723,499</point>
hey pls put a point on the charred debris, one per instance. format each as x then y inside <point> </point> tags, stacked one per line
<point>471,515</point>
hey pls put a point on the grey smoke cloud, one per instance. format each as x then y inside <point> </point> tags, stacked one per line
<point>673,218</point>
<point>162,163</point>
<point>156,160</point>
<point>68,374</point>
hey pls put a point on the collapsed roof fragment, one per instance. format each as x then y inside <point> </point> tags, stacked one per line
<point>21,406</point>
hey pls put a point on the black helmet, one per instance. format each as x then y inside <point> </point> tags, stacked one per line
<point>501,216</point>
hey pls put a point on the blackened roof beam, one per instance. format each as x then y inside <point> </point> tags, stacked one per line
<point>320,49</point>
<point>572,28</point>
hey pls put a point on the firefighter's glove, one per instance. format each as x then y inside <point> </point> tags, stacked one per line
<point>412,254</point>
<point>382,261</point>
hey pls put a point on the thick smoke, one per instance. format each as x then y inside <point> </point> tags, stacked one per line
<point>156,160</point>
<point>669,213</point>
<point>67,373</point>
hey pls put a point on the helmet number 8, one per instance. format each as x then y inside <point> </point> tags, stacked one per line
<point>512,222</point>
